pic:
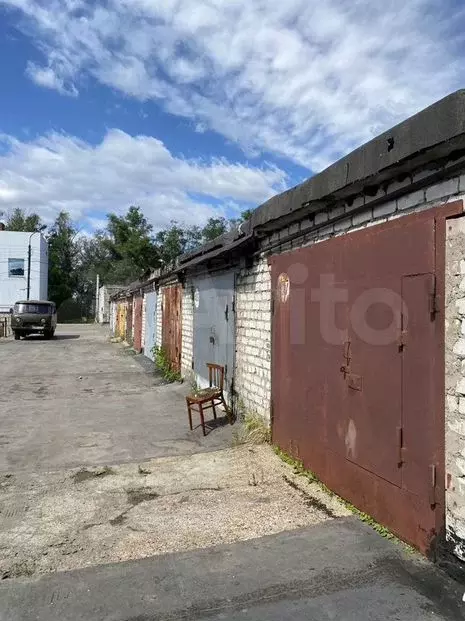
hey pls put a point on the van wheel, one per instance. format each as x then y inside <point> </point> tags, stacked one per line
<point>17,336</point>
<point>48,335</point>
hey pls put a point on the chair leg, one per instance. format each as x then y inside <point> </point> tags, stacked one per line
<point>202,420</point>
<point>214,409</point>
<point>189,413</point>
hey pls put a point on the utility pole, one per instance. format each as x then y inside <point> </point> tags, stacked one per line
<point>97,287</point>
<point>29,254</point>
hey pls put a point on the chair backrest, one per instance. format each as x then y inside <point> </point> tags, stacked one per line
<point>215,375</point>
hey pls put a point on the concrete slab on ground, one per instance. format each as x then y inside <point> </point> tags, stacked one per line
<point>339,570</point>
<point>72,519</point>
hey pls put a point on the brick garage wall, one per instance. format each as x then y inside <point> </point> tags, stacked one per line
<point>159,334</point>
<point>144,318</point>
<point>253,304</point>
<point>377,209</point>
<point>455,386</point>
<point>187,351</point>
<point>253,339</point>
<point>133,302</point>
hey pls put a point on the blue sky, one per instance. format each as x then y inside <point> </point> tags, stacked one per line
<point>194,108</point>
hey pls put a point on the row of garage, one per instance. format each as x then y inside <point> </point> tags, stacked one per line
<point>150,315</point>
<point>338,312</point>
<point>133,319</point>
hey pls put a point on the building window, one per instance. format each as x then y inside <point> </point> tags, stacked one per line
<point>15,267</point>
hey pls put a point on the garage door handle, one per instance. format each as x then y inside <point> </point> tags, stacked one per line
<point>212,340</point>
<point>226,312</point>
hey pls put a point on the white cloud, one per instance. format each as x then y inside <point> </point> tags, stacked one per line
<point>304,79</point>
<point>49,77</point>
<point>58,171</point>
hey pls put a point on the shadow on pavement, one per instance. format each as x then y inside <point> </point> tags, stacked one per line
<point>64,337</point>
<point>211,424</point>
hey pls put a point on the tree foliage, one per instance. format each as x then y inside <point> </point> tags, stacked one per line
<point>62,276</point>
<point>246,215</point>
<point>125,250</point>
<point>176,240</point>
<point>129,239</point>
<point>92,258</point>
<point>18,220</point>
<point>214,228</point>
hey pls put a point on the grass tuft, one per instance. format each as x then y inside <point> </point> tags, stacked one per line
<point>300,470</point>
<point>164,366</point>
<point>253,430</point>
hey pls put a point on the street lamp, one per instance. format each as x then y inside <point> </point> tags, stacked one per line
<point>29,252</point>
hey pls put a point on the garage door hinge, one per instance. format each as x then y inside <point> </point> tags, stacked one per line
<point>400,447</point>
<point>433,299</point>
<point>432,495</point>
<point>401,341</point>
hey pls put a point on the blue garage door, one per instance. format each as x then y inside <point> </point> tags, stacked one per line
<point>150,323</point>
<point>214,327</point>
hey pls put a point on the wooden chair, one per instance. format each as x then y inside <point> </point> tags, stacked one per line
<point>210,397</point>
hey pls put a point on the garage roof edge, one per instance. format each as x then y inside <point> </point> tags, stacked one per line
<point>377,161</point>
<point>439,123</point>
<point>426,137</point>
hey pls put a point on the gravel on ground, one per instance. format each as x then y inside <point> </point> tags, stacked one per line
<point>56,521</point>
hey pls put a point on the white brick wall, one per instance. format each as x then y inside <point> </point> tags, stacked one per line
<point>144,303</point>
<point>253,339</point>
<point>133,302</point>
<point>159,335</point>
<point>455,386</point>
<point>187,331</point>
<point>431,196</point>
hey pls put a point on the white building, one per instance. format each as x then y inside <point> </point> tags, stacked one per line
<point>104,293</point>
<point>14,267</point>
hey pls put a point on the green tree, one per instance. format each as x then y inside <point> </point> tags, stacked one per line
<point>92,258</point>
<point>19,221</point>
<point>214,228</point>
<point>131,248</point>
<point>246,215</point>
<point>176,240</point>
<point>62,276</point>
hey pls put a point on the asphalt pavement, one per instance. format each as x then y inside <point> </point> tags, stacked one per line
<point>340,570</point>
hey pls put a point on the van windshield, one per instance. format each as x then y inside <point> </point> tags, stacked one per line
<point>34,309</point>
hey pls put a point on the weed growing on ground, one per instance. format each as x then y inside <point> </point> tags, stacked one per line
<point>252,430</point>
<point>164,366</point>
<point>129,351</point>
<point>300,470</point>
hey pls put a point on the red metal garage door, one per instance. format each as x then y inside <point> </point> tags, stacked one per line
<point>138,323</point>
<point>129,320</point>
<point>171,329</point>
<point>358,369</point>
